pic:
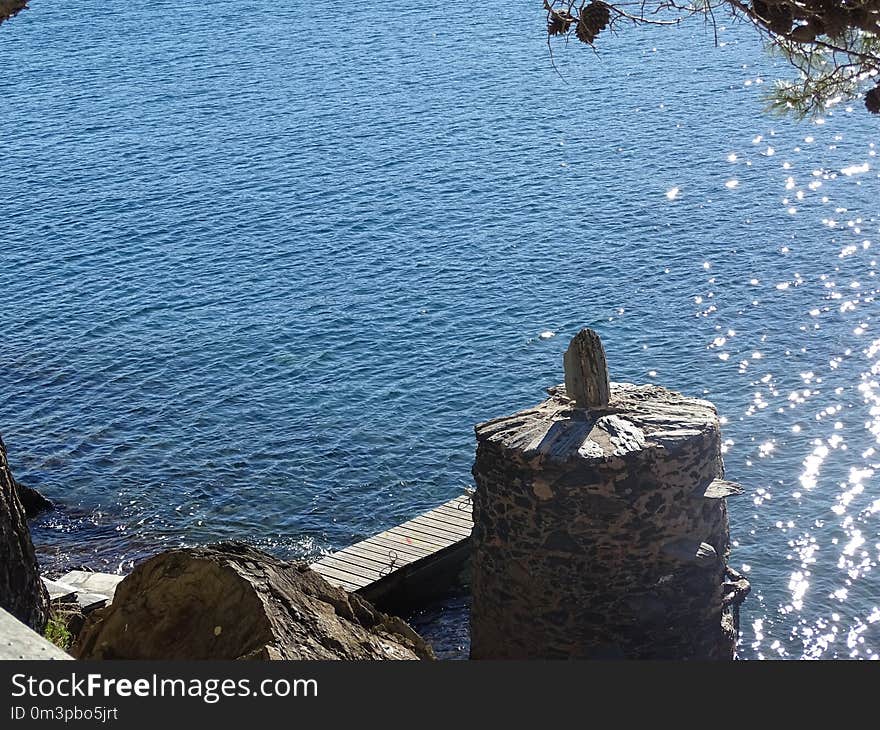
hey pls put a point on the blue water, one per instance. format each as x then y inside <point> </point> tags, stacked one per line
<point>260,274</point>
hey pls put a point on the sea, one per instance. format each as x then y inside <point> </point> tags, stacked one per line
<point>264,266</point>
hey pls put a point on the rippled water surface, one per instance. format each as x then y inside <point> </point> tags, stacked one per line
<point>260,275</point>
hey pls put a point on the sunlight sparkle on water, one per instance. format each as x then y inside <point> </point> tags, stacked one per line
<point>798,585</point>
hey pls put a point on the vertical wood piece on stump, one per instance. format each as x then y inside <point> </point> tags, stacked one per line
<point>586,371</point>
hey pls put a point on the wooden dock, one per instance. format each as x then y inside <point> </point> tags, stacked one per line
<point>407,562</point>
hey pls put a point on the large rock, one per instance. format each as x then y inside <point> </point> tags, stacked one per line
<point>232,601</point>
<point>33,501</point>
<point>21,591</point>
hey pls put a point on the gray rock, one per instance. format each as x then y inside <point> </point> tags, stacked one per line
<point>59,591</point>
<point>89,602</point>
<point>721,488</point>
<point>90,582</point>
<point>687,550</point>
<point>617,436</point>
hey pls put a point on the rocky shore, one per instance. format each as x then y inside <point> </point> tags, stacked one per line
<point>600,530</point>
<point>224,601</point>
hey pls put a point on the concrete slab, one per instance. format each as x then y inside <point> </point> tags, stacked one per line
<point>18,642</point>
<point>59,591</point>
<point>101,583</point>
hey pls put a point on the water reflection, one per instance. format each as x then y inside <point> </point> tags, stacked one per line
<point>251,333</point>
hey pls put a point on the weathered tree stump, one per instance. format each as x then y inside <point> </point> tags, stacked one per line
<point>602,533</point>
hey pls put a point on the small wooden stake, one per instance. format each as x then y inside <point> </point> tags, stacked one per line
<point>586,371</point>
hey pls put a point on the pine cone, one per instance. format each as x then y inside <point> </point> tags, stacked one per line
<point>872,100</point>
<point>594,18</point>
<point>10,8</point>
<point>803,34</point>
<point>777,17</point>
<point>835,21</point>
<point>558,21</point>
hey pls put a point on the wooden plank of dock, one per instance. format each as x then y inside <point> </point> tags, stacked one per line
<point>405,556</point>
<point>422,555</point>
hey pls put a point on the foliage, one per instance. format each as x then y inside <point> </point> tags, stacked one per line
<point>9,8</point>
<point>57,631</point>
<point>833,44</point>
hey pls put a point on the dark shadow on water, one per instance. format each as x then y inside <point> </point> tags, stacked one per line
<point>444,623</point>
